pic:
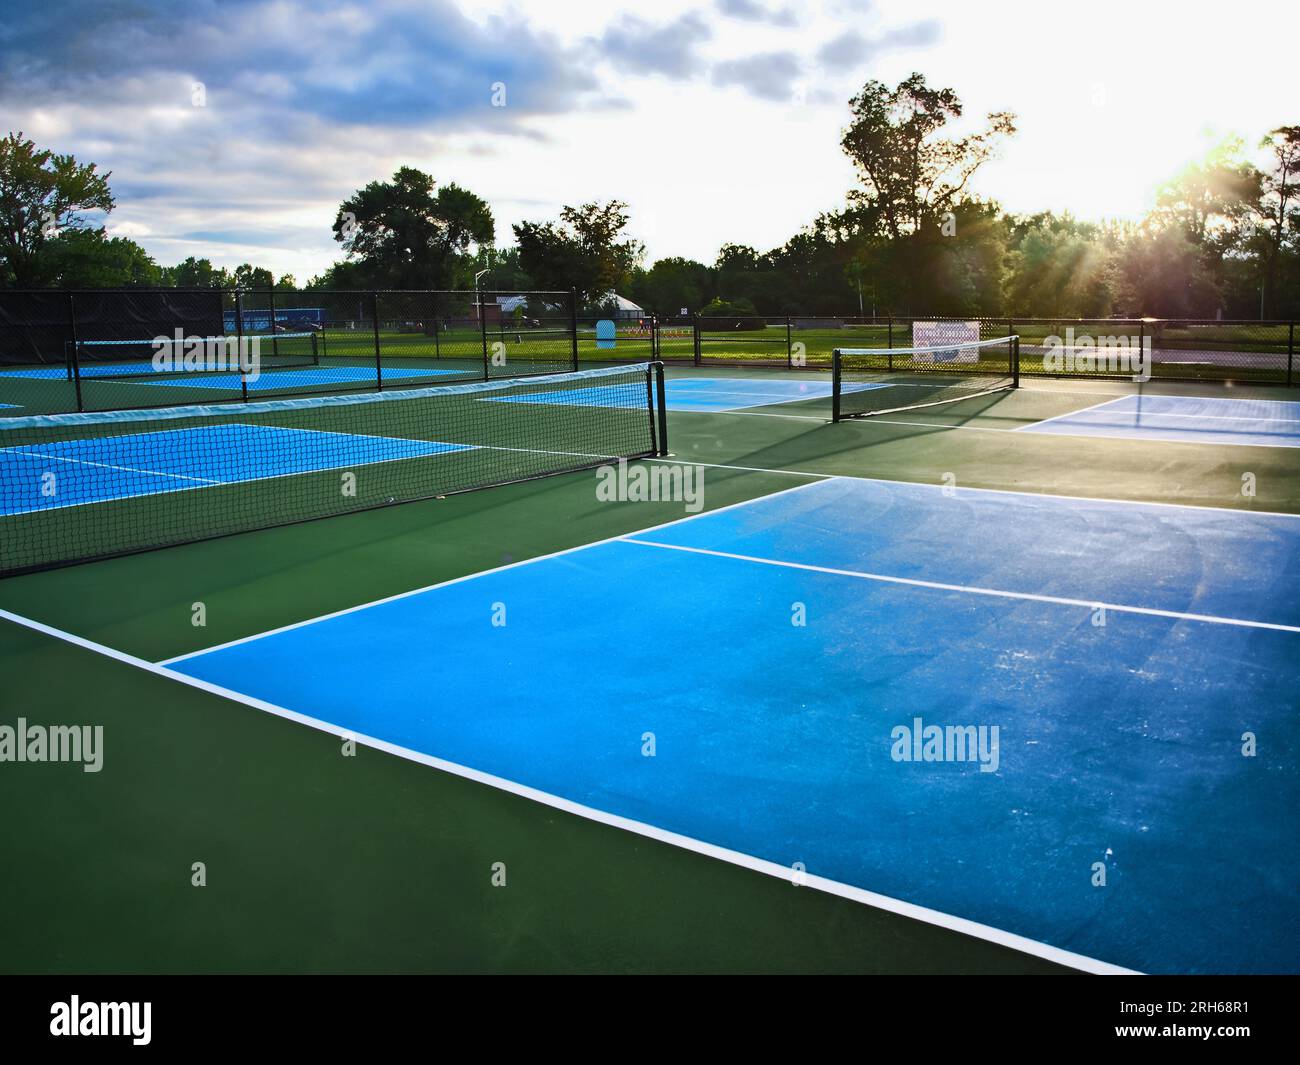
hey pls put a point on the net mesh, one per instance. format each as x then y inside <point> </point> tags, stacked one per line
<point>868,381</point>
<point>75,487</point>
<point>143,359</point>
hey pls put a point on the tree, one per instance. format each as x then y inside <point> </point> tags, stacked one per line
<point>196,273</point>
<point>41,194</point>
<point>89,258</point>
<point>910,176</point>
<point>1161,274</point>
<point>671,284</point>
<point>247,275</point>
<point>1281,191</point>
<point>404,235</point>
<point>587,250</point>
<point>1060,266</point>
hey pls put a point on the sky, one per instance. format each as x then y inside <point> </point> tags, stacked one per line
<point>234,128</point>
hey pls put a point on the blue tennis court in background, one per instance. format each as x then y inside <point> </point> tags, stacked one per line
<point>141,373</point>
<point>1189,419</point>
<point>788,655</point>
<point>74,472</point>
<point>705,395</point>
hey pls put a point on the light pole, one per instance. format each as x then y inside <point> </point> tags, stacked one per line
<point>478,303</point>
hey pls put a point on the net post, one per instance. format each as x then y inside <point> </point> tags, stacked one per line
<point>662,409</point>
<point>695,337</point>
<point>789,350</point>
<point>374,321</point>
<point>1015,361</point>
<point>239,343</point>
<point>835,385</point>
<point>74,353</point>
<point>573,327</point>
<point>890,325</point>
<point>482,330</point>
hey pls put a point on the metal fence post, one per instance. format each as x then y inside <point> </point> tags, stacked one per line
<point>695,336</point>
<point>573,326</point>
<point>270,310</point>
<point>1290,353</point>
<point>74,355</point>
<point>482,328</point>
<point>374,321</point>
<point>239,343</point>
<point>433,309</point>
<point>890,322</point>
<point>789,349</point>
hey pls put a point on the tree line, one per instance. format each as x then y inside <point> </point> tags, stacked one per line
<point>1222,238</point>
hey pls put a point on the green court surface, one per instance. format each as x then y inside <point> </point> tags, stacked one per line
<point>317,862</point>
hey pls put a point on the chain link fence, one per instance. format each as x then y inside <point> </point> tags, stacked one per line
<point>94,349</point>
<point>1178,350</point>
<point>117,349</point>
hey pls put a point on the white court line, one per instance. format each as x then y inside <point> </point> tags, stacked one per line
<point>759,414</point>
<point>746,861</point>
<point>1253,420</point>
<point>1070,414</point>
<point>103,465</point>
<point>969,589</point>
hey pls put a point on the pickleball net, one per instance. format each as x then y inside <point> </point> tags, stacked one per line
<point>75,487</point>
<point>141,358</point>
<point>871,381</point>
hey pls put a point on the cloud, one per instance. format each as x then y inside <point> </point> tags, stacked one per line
<point>852,49</point>
<point>386,62</point>
<point>753,11</point>
<point>769,75</point>
<point>636,47</point>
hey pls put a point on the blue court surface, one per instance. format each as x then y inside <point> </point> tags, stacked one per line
<point>1119,743</point>
<point>135,374</point>
<point>102,469</point>
<point>1190,419</point>
<point>702,395</point>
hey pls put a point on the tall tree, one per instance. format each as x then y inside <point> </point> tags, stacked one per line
<point>587,250</point>
<point>1280,207</point>
<point>196,273</point>
<point>672,284</point>
<point>403,234</point>
<point>41,195</point>
<point>910,175</point>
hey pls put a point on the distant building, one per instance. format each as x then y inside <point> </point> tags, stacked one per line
<point>621,306</point>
